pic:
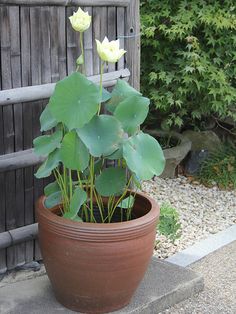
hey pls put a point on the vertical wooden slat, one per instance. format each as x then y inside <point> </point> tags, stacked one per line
<point>8,129</point>
<point>14,19</point>
<point>99,32</point>
<point>88,46</point>
<point>62,41</point>
<point>46,77</point>
<point>37,42</point>
<point>111,31</point>
<point>57,43</point>
<point>27,123</point>
<point>120,34</point>
<point>132,44</point>
<point>3,264</point>
<point>73,50</point>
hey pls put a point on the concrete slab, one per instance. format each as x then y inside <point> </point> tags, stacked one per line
<point>204,247</point>
<point>164,285</point>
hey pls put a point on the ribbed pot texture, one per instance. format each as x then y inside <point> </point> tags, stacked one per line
<point>96,268</point>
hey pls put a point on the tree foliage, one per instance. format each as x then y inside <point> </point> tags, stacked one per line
<point>189,59</point>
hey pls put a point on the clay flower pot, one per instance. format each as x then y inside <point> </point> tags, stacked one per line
<point>173,155</point>
<point>96,268</point>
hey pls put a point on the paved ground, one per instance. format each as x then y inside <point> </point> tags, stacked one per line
<point>219,295</point>
<point>164,285</point>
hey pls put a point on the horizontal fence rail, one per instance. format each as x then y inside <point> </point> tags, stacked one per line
<point>18,160</point>
<point>18,235</point>
<point>38,92</point>
<point>97,3</point>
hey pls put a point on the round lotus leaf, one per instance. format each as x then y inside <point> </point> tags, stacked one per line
<point>132,112</point>
<point>45,144</point>
<point>51,188</point>
<point>128,202</point>
<point>78,199</point>
<point>144,156</point>
<point>74,154</point>
<point>49,164</point>
<point>111,181</point>
<point>121,91</point>
<point>47,121</point>
<point>118,154</point>
<point>53,199</point>
<point>74,101</point>
<point>101,135</point>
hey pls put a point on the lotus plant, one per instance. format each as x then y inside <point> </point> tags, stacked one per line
<point>82,140</point>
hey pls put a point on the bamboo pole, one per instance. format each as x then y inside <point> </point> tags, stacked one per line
<point>18,160</point>
<point>18,235</point>
<point>37,92</point>
<point>117,3</point>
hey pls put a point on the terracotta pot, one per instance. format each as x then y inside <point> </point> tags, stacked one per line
<point>96,268</point>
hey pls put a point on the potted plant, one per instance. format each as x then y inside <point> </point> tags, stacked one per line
<point>96,234</point>
<point>175,148</point>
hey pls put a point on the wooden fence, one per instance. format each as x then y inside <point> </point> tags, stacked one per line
<point>37,48</point>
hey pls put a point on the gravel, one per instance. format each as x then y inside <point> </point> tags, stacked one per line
<point>203,211</point>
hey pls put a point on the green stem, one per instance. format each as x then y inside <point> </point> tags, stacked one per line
<point>82,52</point>
<point>129,210</point>
<point>121,198</point>
<point>101,75</point>
<point>83,206</point>
<point>59,179</point>
<point>99,206</point>
<point>70,184</point>
<point>91,186</point>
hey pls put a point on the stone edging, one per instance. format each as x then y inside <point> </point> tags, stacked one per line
<point>200,249</point>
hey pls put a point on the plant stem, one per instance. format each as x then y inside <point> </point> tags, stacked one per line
<point>99,205</point>
<point>101,75</point>
<point>120,199</point>
<point>83,206</point>
<point>82,52</point>
<point>129,210</point>
<point>70,184</point>
<point>59,179</point>
<point>91,186</point>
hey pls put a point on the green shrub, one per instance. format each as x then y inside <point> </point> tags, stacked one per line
<point>220,168</point>
<point>169,222</point>
<point>189,59</point>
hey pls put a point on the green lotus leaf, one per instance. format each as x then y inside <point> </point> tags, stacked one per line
<point>53,199</point>
<point>132,112</point>
<point>128,202</point>
<point>51,188</point>
<point>77,218</point>
<point>78,199</point>
<point>75,101</point>
<point>118,154</point>
<point>97,168</point>
<point>144,156</point>
<point>121,91</point>
<point>101,135</point>
<point>45,144</point>
<point>49,164</point>
<point>111,181</point>
<point>47,121</point>
<point>105,95</point>
<point>74,154</point>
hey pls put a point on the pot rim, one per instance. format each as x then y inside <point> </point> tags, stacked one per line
<point>106,232</point>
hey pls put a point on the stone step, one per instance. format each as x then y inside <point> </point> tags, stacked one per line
<point>164,285</point>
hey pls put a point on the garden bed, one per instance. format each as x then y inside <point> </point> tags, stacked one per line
<point>203,211</point>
